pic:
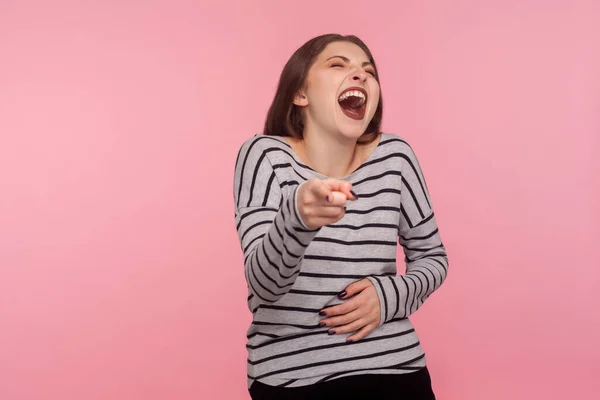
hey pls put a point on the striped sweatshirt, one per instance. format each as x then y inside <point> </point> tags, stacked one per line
<point>293,272</point>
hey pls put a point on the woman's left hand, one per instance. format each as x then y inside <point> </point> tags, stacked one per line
<point>360,313</point>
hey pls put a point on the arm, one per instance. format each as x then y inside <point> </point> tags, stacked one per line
<point>272,234</point>
<point>425,256</point>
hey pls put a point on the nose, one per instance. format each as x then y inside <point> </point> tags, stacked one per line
<point>359,75</point>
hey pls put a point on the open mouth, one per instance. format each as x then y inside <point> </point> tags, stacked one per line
<point>353,102</point>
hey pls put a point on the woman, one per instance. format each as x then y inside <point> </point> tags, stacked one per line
<point>322,199</point>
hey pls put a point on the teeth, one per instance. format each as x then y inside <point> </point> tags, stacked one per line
<point>355,93</point>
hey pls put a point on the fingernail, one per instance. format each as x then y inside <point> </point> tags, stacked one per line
<point>354,193</point>
<point>321,324</point>
<point>330,332</point>
<point>349,340</point>
<point>327,199</point>
<point>322,313</point>
<point>341,295</point>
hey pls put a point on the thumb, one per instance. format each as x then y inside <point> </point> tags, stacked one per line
<point>355,288</point>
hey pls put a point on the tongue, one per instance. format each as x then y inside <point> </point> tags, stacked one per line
<point>349,107</point>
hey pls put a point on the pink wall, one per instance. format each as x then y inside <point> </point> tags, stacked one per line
<point>120,271</point>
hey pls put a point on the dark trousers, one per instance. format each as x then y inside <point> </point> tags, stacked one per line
<point>410,386</point>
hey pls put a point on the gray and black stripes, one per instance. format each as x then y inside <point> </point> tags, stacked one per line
<point>293,272</point>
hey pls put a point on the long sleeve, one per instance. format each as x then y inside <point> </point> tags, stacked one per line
<point>425,256</point>
<point>272,234</point>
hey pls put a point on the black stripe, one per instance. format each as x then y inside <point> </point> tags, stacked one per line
<point>256,291</point>
<point>280,255</point>
<point>402,365</point>
<point>406,239</point>
<point>290,213</point>
<point>286,308</point>
<point>441,263</point>
<point>277,295</point>
<point>412,194</point>
<point>336,276</point>
<point>406,300</point>
<point>354,242</point>
<point>265,323</point>
<point>381,191</point>
<point>329,346</point>
<point>243,169</point>
<point>268,191</point>
<point>424,221</point>
<point>287,250</point>
<point>271,279</point>
<point>341,360</point>
<point>430,270</point>
<point>252,241</point>
<point>262,334</point>
<point>397,296</point>
<point>272,149</point>
<point>254,175</point>
<point>422,250</point>
<point>375,177</point>
<point>288,183</point>
<point>379,160</point>
<point>385,302</point>
<point>286,165</point>
<point>252,227</point>
<point>424,288</point>
<point>413,300</point>
<point>287,383</point>
<point>406,218</point>
<point>395,139</point>
<point>313,293</point>
<point>254,212</point>
<point>275,266</point>
<point>347,259</point>
<point>290,234</point>
<point>380,208</point>
<point>357,227</point>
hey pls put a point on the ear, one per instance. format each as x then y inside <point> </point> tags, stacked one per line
<point>300,99</point>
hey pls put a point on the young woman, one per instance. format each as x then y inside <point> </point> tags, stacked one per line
<point>322,199</point>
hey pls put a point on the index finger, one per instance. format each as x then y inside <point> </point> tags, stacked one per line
<point>341,309</point>
<point>342,186</point>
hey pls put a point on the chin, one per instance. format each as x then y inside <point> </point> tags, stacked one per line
<point>352,128</point>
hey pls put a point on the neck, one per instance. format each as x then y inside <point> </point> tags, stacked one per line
<point>331,155</point>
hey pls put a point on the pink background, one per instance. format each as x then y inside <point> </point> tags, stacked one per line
<point>120,271</point>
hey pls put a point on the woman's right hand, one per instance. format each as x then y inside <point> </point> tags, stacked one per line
<point>322,201</point>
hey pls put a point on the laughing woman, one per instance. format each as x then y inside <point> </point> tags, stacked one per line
<point>322,199</point>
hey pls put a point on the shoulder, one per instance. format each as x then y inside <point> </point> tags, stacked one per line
<point>392,143</point>
<point>260,148</point>
<point>260,144</point>
<point>254,155</point>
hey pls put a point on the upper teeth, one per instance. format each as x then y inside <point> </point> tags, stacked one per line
<point>355,93</point>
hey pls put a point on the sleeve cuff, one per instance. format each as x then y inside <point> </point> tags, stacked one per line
<point>298,221</point>
<point>380,295</point>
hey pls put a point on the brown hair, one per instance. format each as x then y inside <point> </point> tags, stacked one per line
<point>284,117</point>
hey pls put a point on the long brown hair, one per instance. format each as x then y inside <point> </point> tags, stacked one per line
<point>284,117</point>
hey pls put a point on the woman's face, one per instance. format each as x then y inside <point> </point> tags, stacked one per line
<point>341,93</point>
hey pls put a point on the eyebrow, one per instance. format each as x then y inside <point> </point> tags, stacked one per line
<point>346,59</point>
